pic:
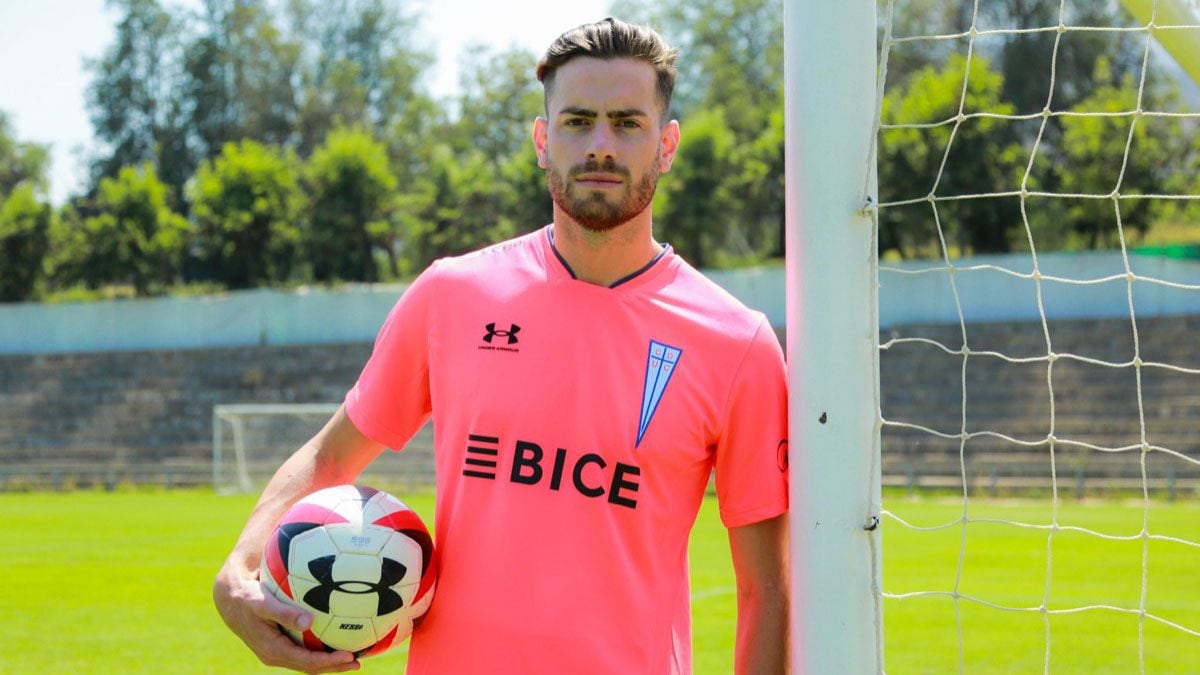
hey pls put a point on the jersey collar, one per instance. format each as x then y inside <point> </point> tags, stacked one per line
<point>549,239</point>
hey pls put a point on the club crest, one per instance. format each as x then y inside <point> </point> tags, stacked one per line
<point>661,364</point>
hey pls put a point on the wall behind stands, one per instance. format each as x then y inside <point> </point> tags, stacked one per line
<point>354,314</point>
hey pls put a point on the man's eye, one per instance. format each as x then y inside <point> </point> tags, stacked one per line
<point>628,124</point>
<point>577,122</point>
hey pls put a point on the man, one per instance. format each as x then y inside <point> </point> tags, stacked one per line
<point>584,382</point>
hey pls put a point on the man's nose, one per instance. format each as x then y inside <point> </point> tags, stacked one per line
<point>602,145</point>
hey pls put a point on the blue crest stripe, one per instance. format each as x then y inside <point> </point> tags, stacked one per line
<point>661,362</point>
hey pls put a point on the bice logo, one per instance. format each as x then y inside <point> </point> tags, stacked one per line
<point>590,474</point>
<point>501,339</point>
<point>660,366</point>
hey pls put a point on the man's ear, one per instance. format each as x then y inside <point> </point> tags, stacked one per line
<point>540,128</point>
<point>668,144</point>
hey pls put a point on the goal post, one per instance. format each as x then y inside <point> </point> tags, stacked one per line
<point>251,440</point>
<point>830,107</point>
<point>236,458</point>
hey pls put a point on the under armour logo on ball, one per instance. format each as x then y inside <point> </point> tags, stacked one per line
<point>391,573</point>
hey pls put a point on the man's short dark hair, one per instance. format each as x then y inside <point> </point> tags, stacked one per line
<point>613,39</point>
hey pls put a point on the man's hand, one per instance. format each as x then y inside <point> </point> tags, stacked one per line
<point>254,615</point>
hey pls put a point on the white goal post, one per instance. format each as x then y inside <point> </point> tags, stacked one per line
<point>231,465</point>
<point>830,70</point>
<point>251,440</point>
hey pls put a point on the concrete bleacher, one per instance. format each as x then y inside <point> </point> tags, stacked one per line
<point>113,416</point>
<point>1093,405</point>
<point>146,416</point>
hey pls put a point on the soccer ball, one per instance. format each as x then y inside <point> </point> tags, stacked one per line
<point>357,559</point>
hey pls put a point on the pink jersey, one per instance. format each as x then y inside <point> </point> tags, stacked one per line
<point>576,428</point>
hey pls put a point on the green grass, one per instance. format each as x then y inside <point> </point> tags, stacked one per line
<point>116,583</point>
<point>1016,567</point>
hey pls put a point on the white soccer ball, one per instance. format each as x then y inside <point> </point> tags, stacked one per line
<point>359,560</point>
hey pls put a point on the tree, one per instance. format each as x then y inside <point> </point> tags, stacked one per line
<point>731,56</point>
<point>24,241</point>
<point>20,163</point>
<point>351,188</point>
<point>1092,159</point>
<point>1023,58</point>
<point>357,66</point>
<point>757,195</point>
<point>132,100</point>
<point>911,161</point>
<point>136,238</point>
<point>497,103</point>
<point>25,220</point>
<point>461,216</point>
<point>246,203</point>
<point>692,208</point>
<point>240,77</point>
<point>498,99</point>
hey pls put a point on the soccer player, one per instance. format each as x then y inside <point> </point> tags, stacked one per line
<point>584,382</point>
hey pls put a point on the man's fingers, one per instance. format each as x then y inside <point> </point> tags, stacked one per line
<point>283,652</point>
<point>274,648</point>
<point>274,610</point>
<point>255,615</point>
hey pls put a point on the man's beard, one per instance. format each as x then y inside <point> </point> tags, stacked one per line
<point>593,209</point>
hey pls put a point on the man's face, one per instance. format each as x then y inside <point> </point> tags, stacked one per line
<point>603,143</point>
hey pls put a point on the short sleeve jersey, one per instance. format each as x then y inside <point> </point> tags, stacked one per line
<point>576,428</point>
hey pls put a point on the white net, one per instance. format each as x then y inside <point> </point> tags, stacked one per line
<point>250,441</point>
<point>1066,384</point>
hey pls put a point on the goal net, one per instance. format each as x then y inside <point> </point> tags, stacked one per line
<point>251,440</point>
<point>1039,300</point>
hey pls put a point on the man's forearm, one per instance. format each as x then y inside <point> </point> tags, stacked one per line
<point>762,631</point>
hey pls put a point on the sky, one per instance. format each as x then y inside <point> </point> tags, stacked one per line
<point>44,43</point>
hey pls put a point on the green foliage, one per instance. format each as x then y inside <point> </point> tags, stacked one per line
<point>281,83</point>
<point>246,204</point>
<point>1093,159</point>
<point>756,190</point>
<point>134,238</point>
<point>499,98</point>
<point>132,99</point>
<point>24,240</point>
<point>497,105</point>
<point>914,162</point>
<point>351,189</point>
<point>1093,71</point>
<point>731,56</point>
<point>692,207</point>
<point>20,163</point>
<point>464,212</point>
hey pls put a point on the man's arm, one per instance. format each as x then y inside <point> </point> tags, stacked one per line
<point>760,561</point>
<point>336,455</point>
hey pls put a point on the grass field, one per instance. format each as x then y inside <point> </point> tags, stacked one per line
<point>117,583</point>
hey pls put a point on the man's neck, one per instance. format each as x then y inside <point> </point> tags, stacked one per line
<point>602,258</point>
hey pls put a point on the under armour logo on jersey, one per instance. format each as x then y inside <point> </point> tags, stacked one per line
<point>511,333</point>
<point>660,366</point>
<point>390,574</point>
